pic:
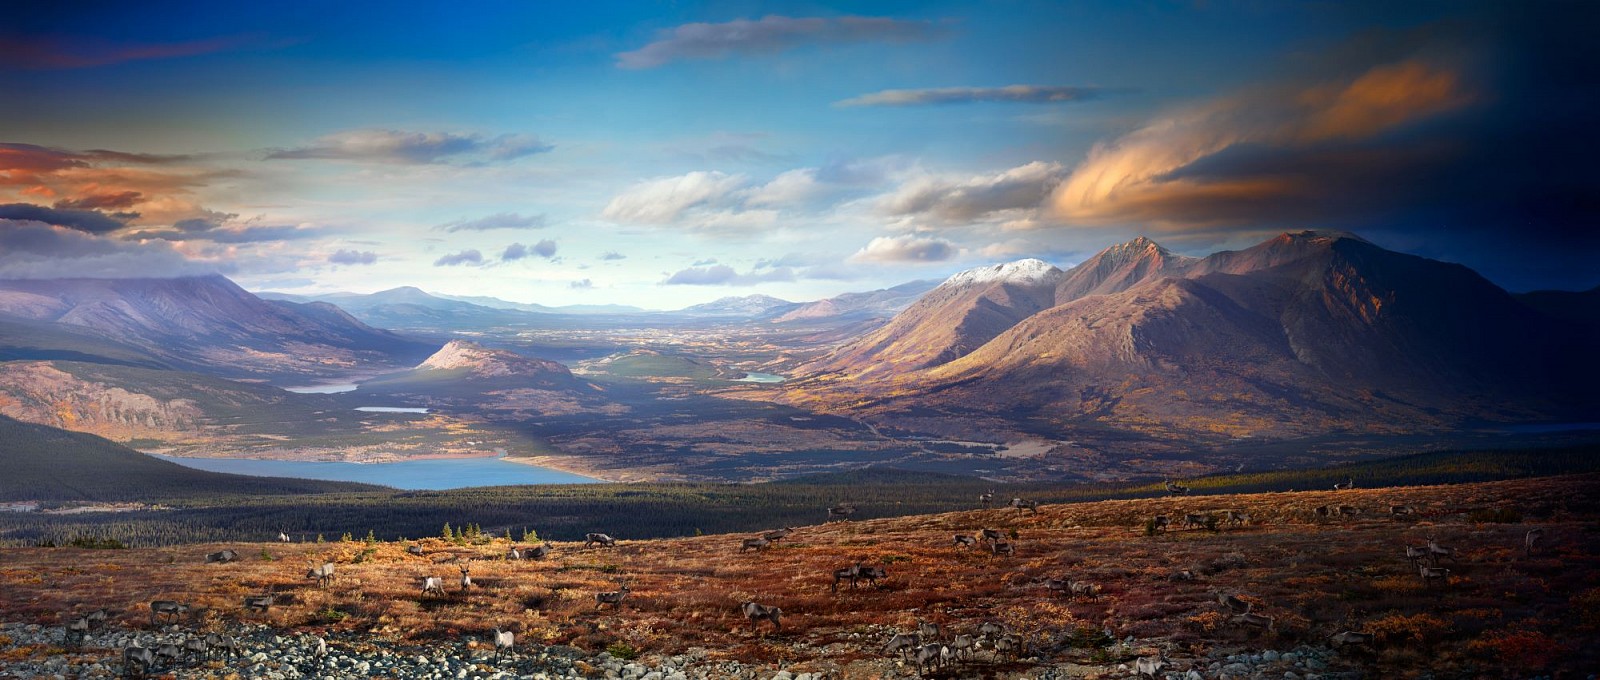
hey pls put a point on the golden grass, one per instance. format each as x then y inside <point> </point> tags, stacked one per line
<point>1316,577</point>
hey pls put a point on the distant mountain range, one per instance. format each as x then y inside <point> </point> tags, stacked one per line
<point>204,323</point>
<point>1307,333</point>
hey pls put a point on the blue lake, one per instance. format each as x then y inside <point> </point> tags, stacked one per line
<point>334,388</point>
<point>431,474</point>
<point>751,376</point>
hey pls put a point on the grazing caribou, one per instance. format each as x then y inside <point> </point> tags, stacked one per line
<point>1009,644</point>
<point>225,645</point>
<point>1436,551</point>
<point>323,574</point>
<point>1056,586</point>
<point>1160,523</point>
<point>778,534</point>
<point>851,573</point>
<point>992,535</point>
<point>1327,511</point>
<point>221,557</point>
<point>930,655</point>
<point>1401,510</point>
<point>990,630</point>
<point>1349,511</point>
<point>431,585</point>
<point>196,650</point>
<point>1351,637</point>
<point>604,541</point>
<point>962,645</point>
<point>1176,489</point>
<point>965,541</point>
<point>1002,548</point>
<point>258,603</point>
<point>1531,538</point>
<point>872,574</point>
<point>514,554</point>
<point>1261,621</point>
<point>756,613</point>
<point>503,641</point>
<point>97,618</point>
<point>1236,517</point>
<point>414,550</point>
<point>1084,589</point>
<point>1196,520</point>
<point>927,631</point>
<point>1150,667</point>
<point>841,512</point>
<point>757,544</point>
<point>167,608</point>
<point>1433,574</point>
<point>613,598</point>
<point>1022,504</point>
<point>901,644</point>
<point>170,653</point>
<point>142,657</point>
<point>537,552</point>
<point>76,632</point>
<point>1346,485</point>
<point>1234,604</point>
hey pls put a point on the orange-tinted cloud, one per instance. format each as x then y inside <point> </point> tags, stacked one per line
<point>1247,155</point>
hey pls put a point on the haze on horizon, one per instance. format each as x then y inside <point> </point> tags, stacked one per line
<point>667,155</point>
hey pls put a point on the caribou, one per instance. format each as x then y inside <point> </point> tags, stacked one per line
<point>901,644</point>
<point>323,574</point>
<point>135,655</point>
<point>1160,523</point>
<point>927,630</point>
<point>97,618</point>
<point>1435,551</point>
<point>1233,603</point>
<point>1349,511</point>
<point>167,608</point>
<point>1009,644</point>
<point>1346,485</point>
<point>1022,504</point>
<point>221,557</point>
<point>466,578</point>
<point>965,541</point>
<point>196,649</point>
<point>1083,589</point>
<point>431,585</point>
<point>992,535</point>
<point>962,645</point>
<point>1432,574</point>
<point>1416,555</point>
<point>1236,517</point>
<point>1151,667</point>
<point>1401,510</point>
<point>1196,520</point>
<point>514,554</point>
<point>538,552</point>
<point>756,613</point>
<point>225,645</point>
<point>590,540</point>
<point>986,499</point>
<point>1351,637</point>
<point>77,630</point>
<point>283,537</point>
<point>1176,489</point>
<point>1002,548</point>
<point>841,512</point>
<point>1261,621</point>
<point>613,598</point>
<point>931,654</point>
<point>258,603</point>
<point>872,574</point>
<point>414,550</point>
<point>170,652</point>
<point>1531,538</point>
<point>990,630</point>
<point>757,544</point>
<point>503,641</point>
<point>852,573</point>
<point>778,534</point>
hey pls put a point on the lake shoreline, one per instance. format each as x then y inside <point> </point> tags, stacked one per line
<point>414,473</point>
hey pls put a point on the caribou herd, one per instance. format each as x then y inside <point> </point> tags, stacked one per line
<point>929,647</point>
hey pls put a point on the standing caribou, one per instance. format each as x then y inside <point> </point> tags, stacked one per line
<point>431,585</point>
<point>986,499</point>
<point>613,598</point>
<point>1176,489</point>
<point>757,544</point>
<point>167,608</point>
<point>1346,485</point>
<point>756,613</point>
<point>1022,504</point>
<point>965,541</point>
<point>258,603</point>
<point>503,641</point>
<point>842,511</point>
<point>466,578</point>
<point>604,541</point>
<point>1531,538</point>
<point>221,557</point>
<point>323,574</point>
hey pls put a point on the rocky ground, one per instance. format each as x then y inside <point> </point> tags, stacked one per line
<point>36,651</point>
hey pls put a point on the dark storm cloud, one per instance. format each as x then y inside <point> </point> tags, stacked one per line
<point>91,221</point>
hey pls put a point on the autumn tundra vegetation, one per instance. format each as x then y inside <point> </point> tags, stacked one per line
<point>1451,588</point>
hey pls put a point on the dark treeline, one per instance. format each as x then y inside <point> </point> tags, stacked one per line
<point>640,511</point>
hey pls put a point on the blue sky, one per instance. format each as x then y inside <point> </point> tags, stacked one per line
<point>668,154</point>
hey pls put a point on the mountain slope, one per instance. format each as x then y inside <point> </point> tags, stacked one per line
<point>962,313</point>
<point>885,302</point>
<point>207,323</point>
<point>1304,334</point>
<point>44,463</point>
<point>751,306</point>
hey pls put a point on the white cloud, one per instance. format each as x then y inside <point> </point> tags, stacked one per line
<point>905,249</point>
<point>768,35</point>
<point>1014,194</point>
<point>665,200</point>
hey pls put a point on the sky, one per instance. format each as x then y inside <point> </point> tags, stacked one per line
<point>666,154</point>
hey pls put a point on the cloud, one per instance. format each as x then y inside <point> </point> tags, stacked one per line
<point>463,257</point>
<point>516,251</point>
<point>1272,153</point>
<point>505,220</point>
<point>121,199</point>
<point>723,275</point>
<point>91,221</point>
<point>613,255</point>
<point>31,249</point>
<point>899,249</point>
<point>665,200</point>
<point>1012,194</point>
<point>581,284</point>
<point>353,257</point>
<point>395,146</point>
<point>1027,94</point>
<point>771,35</point>
<point>72,53</point>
